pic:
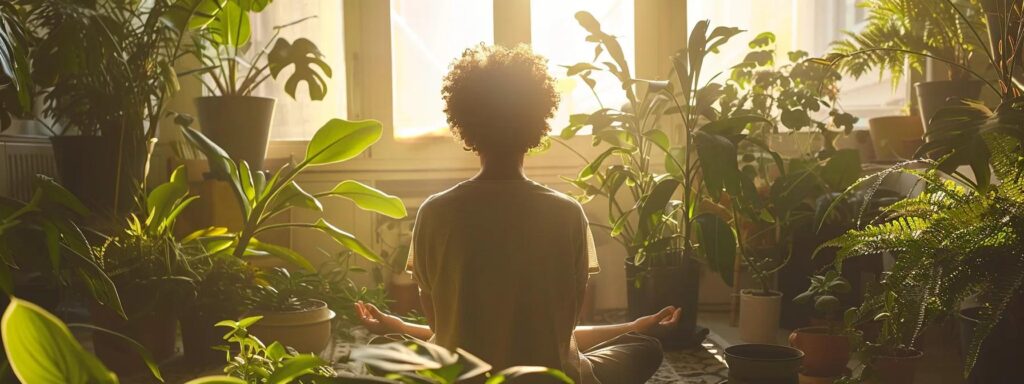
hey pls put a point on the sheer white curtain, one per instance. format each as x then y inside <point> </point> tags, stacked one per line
<point>557,35</point>
<point>425,37</point>
<point>298,119</point>
<point>808,25</point>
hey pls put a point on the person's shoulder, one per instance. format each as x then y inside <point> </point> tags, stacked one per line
<point>559,198</point>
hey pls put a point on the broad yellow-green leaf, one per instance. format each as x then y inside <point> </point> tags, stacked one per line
<point>341,140</point>
<point>370,199</point>
<point>348,240</point>
<point>216,380</point>
<point>282,253</point>
<point>41,349</point>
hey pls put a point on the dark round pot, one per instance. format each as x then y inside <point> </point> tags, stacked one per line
<point>896,368</point>
<point>100,171</point>
<point>825,354</point>
<point>763,364</point>
<point>238,124</point>
<point>156,331</point>
<point>998,357</point>
<point>198,337</point>
<point>935,95</point>
<point>648,291</point>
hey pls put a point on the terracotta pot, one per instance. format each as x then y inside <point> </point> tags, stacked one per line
<point>156,331</point>
<point>895,369</point>
<point>763,363</point>
<point>896,137</point>
<point>238,124</point>
<point>307,330</point>
<point>825,354</point>
<point>759,316</point>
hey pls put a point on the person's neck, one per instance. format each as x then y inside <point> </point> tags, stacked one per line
<point>501,167</point>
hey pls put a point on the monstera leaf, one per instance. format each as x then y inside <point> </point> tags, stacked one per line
<point>305,57</point>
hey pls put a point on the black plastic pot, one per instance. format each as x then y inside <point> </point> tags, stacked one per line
<point>999,357</point>
<point>101,171</point>
<point>935,95</point>
<point>763,364</point>
<point>238,124</point>
<point>650,290</point>
<point>198,337</point>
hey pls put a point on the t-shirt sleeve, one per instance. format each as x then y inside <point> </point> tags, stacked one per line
<point>417,268</point>
<point>592,265</point>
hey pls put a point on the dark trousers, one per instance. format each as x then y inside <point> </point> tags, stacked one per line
<point>630,358</point>
<point>627,359</point>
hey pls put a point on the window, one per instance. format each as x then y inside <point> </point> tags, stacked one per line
<point>299,119</point>
<point>807,25</point>
<point>425,37</point>
<point>557,35</point>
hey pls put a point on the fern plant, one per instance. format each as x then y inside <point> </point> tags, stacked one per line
<point>901,32</point>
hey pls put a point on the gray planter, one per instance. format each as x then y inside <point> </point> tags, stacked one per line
<point>763,364</point>
<point>238,124</point>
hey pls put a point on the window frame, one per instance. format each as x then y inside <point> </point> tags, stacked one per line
<point>369,78</point>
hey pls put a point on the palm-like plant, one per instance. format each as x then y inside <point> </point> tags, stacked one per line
<point>897,32</point>
<point>15,81</point>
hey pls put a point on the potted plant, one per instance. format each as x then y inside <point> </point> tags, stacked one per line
<point>774,202</point>
<point>899,33</point>
<point>663,233</point>
<point>16,88</point>
<point>827,346</point>
<point>763,363</point>
<point>292,312</point>
<point>965,229</point>
<point>150,267</point>
<point>104,117</point>
<point>224,290</point>
<point>230,70</point>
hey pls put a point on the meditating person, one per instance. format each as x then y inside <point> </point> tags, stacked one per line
<point>502,262</point>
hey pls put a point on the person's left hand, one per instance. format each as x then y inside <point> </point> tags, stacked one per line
<point>659,323</point>
<point>378,322</point>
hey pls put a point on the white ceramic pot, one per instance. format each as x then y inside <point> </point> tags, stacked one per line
<point>759,316</point>
<point>307,331</point>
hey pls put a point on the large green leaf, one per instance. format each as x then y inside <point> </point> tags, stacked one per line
<point>293,368</point>
<point>652,207</point>
<point>349,241</point>
<point>720,169</point>
<point>718,242</point>
<point>41,349</point>
<point>230,26</point>
<point>292,195</point>
<point>305,58</point>
<point>282,253</point>
<point>57,194</point>
<point>192,14</point>
<point>341,140</point>
<point>595,165</point>
<point>162,200</point>
<point>369,198</point>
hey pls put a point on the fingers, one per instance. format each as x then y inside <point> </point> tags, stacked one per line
<point>676,313</point>
<point>373,311</point>
<point>665,313</point>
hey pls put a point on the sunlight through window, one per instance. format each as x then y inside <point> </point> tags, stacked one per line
<point>557,35</point>
<point>425,38</point>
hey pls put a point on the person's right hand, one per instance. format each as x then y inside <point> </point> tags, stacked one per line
<point>376,321</point>
<point>659,323</point>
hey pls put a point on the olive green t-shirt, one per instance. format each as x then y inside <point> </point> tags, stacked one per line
<point>505,264</point>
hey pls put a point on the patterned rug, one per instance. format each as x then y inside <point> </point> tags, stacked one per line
<point>705,365</point>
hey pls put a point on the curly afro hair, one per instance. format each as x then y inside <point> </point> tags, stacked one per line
<point>498,99</point>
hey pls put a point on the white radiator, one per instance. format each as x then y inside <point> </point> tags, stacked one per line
<point>21,158</point>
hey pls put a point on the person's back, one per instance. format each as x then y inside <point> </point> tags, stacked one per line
<point>506,263</point>
<point>503,262</point>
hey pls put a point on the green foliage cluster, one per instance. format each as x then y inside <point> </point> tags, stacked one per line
<point>902,32</point>
<point>231,66</point>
